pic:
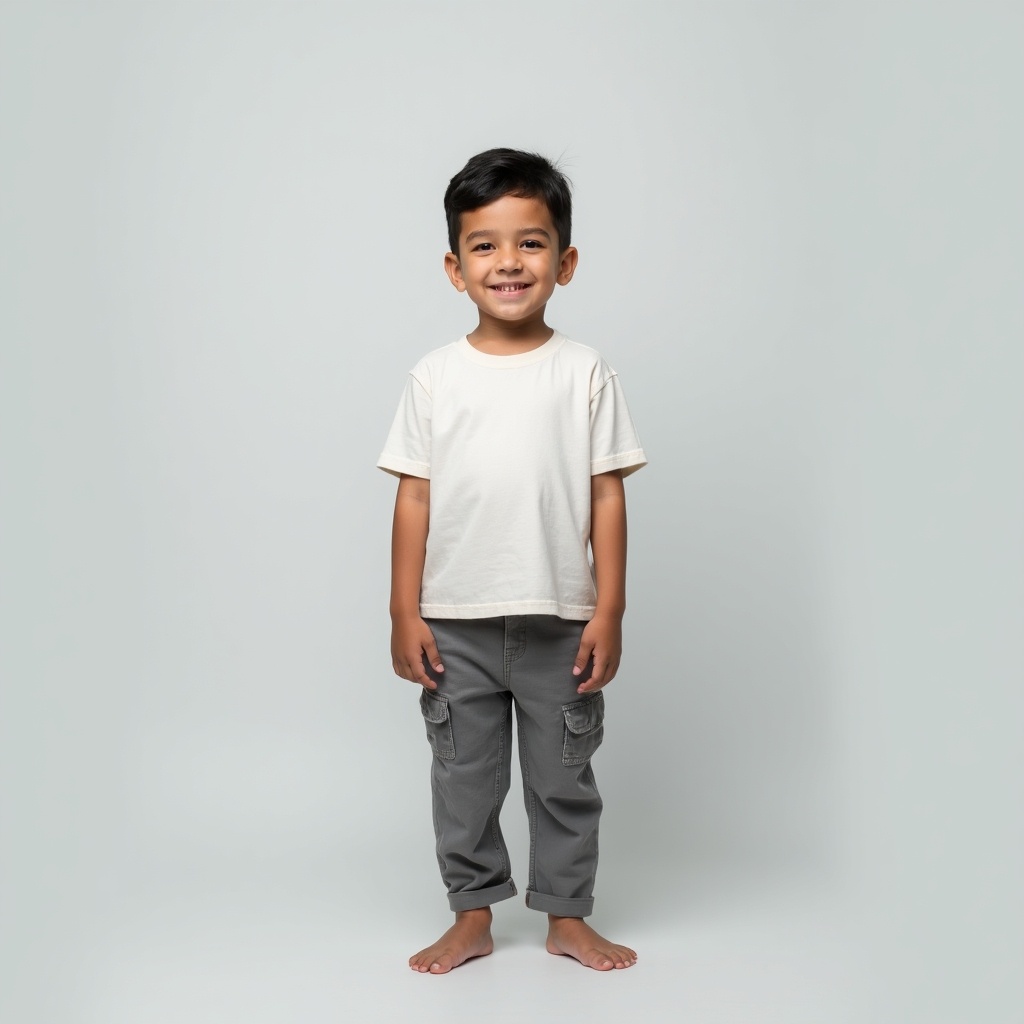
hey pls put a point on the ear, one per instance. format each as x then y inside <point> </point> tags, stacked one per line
<point>453,269</point>
<point>567,265</point>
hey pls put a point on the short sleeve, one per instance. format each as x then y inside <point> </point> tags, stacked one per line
<point>407,449</point>
<point>614,443</point>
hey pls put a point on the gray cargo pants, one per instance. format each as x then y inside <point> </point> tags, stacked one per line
<point>489,665</point>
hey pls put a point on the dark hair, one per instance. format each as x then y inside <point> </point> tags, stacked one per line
<point>489,176</point>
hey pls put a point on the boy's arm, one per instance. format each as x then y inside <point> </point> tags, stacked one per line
<point>602,637</point>
<point>410,635</point>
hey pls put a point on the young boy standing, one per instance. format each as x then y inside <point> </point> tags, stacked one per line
<point>510,446</point>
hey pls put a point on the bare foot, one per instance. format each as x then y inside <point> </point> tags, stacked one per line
<point>470,936</point>
<point>572,936</point>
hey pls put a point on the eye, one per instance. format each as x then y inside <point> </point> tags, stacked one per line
<point>482,247</point>
<point>533,243</point>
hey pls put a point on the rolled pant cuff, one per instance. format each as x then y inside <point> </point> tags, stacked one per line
<point>560,906</point>
<point>476,898</point>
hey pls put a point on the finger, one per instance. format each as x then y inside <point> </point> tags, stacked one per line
<point>414,672</point>
<point>597,675</point>
<point>582,656</point>
<point>430,650</point>
<point>421,672</point>
<point>421,677</point>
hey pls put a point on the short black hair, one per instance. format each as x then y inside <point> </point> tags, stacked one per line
<point>489,176</point>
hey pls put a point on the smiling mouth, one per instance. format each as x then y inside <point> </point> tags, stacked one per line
<point>508,289</point>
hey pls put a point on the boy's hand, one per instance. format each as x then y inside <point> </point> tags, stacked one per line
<point>602,641</point>
<point>410,640</point>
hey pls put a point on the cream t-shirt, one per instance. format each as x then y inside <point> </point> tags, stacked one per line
<point>509,444</point>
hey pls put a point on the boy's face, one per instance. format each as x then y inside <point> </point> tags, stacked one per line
<point>508,260</point>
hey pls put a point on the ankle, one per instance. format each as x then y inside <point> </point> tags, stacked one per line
<point>478,914</point>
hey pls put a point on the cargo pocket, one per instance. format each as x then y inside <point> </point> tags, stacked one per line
<point>434,707</point>
<point>584,729</point>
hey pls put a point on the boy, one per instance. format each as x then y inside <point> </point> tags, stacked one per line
<point>510,446</point>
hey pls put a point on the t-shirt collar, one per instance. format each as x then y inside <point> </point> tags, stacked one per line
<point>535,355</point>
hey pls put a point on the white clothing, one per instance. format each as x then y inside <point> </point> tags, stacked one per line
<point>509,444</point>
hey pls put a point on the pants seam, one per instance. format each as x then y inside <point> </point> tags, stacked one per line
<point>506,660</point>
<point>531,804</point>
<point>496,808</point>
<point>515,649</point>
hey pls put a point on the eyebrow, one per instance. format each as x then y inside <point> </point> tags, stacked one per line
<point>523,231</point>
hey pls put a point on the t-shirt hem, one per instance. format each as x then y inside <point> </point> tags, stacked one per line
<point>487,611</point>
<point>628,462</point>
<point>396,466</point>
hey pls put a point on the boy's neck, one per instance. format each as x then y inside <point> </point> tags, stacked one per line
<point>501,338</point>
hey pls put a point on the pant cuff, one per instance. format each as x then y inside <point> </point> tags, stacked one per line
<point>560,906</point>
<point>476,898</point>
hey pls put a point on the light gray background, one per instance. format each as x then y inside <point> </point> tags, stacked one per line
<point>800,234</point>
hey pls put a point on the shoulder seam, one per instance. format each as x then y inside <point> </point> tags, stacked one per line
<point>612,374</point>
<point>426,390</point>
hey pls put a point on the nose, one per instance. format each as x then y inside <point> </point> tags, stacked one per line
<point>508,258</point>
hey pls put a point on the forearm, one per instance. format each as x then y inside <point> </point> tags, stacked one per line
<point>411,638</point>
<point>608,542</point>
<point>409,545</point>
<point>601,642</point>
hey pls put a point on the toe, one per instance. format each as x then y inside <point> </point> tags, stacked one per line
<point>626,955</point>
<point>621,957</point>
